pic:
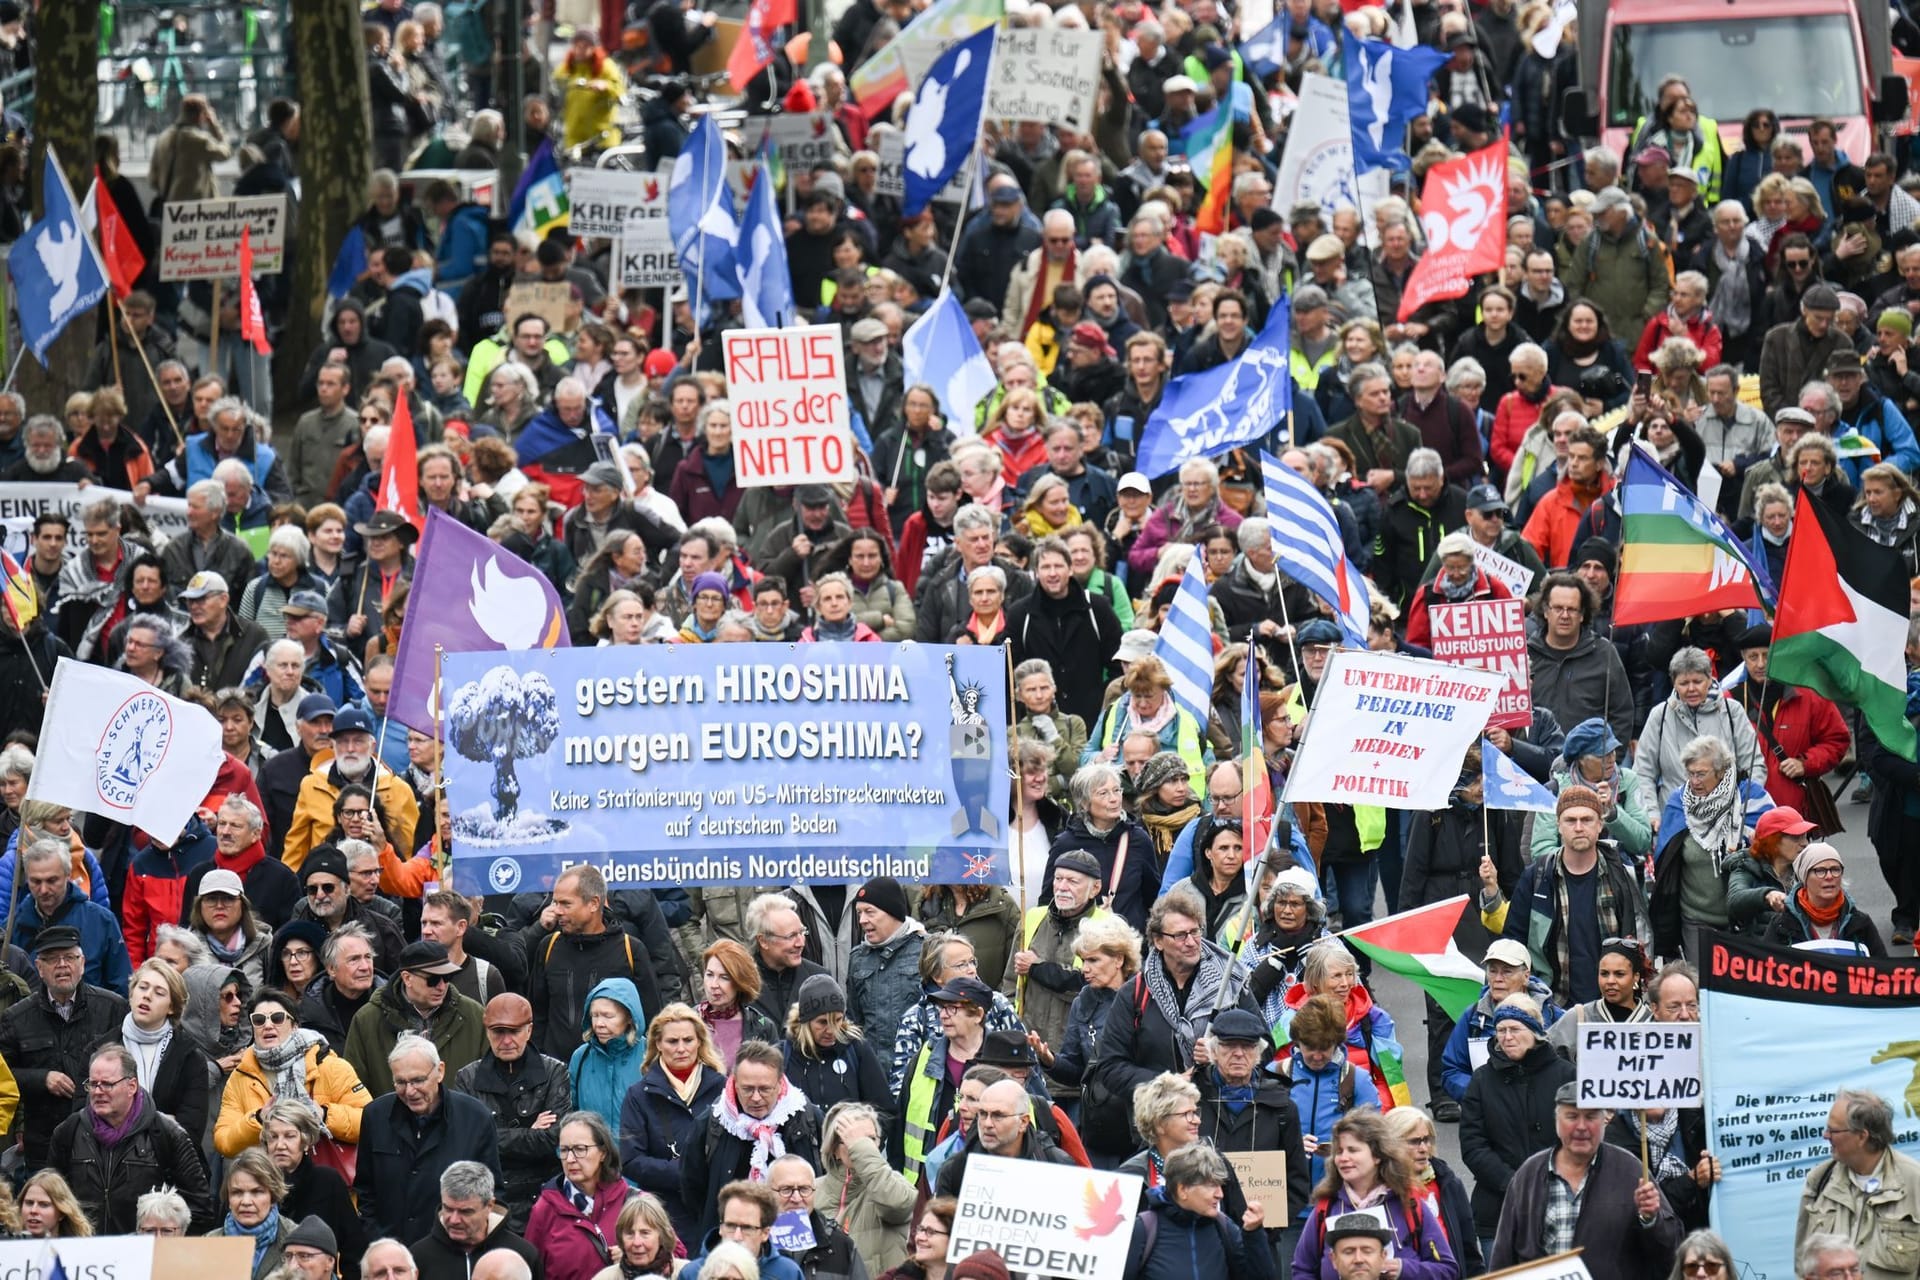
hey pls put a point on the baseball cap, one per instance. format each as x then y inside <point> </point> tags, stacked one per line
<point>659,363</point>
<point>1509,951</point>
<point>208,583</point>
<point>305,603</point>
<point>1782,820</point>
<point>220,880</point>
<point>1179,84</point>
<point>313,706</point>
<point>1134,482</point>
<point>1484,498</point>
<point>1655,154</point>
<point>602,473</point>
<point>868,330</point>
<point>1135,645</point>
<point>352,720</point>
<point>964,990</point>
<point>1609,199</point>
<point>1005,195</point>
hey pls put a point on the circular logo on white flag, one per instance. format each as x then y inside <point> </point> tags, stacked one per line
<point>132,747</point>
<point>503,874</point>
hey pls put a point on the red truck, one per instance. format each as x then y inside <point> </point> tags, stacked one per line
<point>1803,58</point>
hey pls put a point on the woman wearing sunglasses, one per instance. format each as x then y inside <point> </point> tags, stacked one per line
<point>286,1060</point>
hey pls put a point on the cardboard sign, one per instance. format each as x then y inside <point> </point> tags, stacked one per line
<point>602,200</point>
<point>200,239</point>
<point>1490,635</point>
<point>1639,1064</point>
<point>891,147</point>
<point>1263,1177</point>
<point>1045,1219</point>
<point>1517,577</point>
<point>130,1257</point>
<point>791,422</point>
<point>802,142</point>
<point>644,256</point>
<point>1561,1266</point>
<point>1390,730</point>
<point>1049,74</point>
<point>552,301</point>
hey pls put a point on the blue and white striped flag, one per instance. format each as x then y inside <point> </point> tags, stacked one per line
<point>1306,538</point>
<point>1186,643</point>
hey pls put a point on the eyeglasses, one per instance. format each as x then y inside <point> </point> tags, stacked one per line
<point>741,1229</point>
<point>263,1019</point>
<point>998,1115</point>
<point>784,938</point>
<point>1703,1266</point>
<point>795,1192</point>
<point>575,1153</point>
<point>1184,937</point>
<point>1831,1133</point>
<point>360,812</point>
<point>924,1230</point>
<point>1841,1273</point>
<point>106,1086</point>
<point>756,1090</point>
<point>296,953</point>
<point>1798,264</point>
<point>432,979</point>
<point>1831,869</point>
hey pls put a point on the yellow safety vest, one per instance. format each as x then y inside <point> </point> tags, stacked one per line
<point>1030,925</point>
<point>920,1125</point>
<point>1306,374</point>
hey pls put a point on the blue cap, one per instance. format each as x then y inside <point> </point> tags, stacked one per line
<point>1319,631</point>
<point>352,720</point>
<point>1590,738</point>
<point>313,706</point>
<point>305,602</point>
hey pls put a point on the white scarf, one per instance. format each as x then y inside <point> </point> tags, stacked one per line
<point>764,1134</point>
<point>147,1048</point>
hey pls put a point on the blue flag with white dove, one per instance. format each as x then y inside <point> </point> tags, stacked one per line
<point>944,123</point>
<point>57,271</point>
<point>1508,786</point>
<point>1205,414</point>
<point>766,285</point>
<point>1386,89</point>
<point>700,216</point>
<point>941,351</point>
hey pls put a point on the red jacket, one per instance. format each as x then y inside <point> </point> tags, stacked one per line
<point>1702,330</point>
<point>1419,626</point>
<point>1806,727</point>
<point>1512,418</point>
<point>1018,455</point>
<point>574,1245</point>
<point>156,886</point>
<point>1555,522</point>
<point>693,493</point>
<point>912,549</point>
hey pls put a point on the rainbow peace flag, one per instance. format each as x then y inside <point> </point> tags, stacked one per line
<point>22,601</point>
<point>1677,558</point>
<point>1209,147</point>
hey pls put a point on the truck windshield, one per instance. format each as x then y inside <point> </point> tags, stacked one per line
<point>1799,66</point>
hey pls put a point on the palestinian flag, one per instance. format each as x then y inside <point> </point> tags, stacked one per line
<point>1841,629</point>
<point>1676,557</point>
<point>1418,945</point>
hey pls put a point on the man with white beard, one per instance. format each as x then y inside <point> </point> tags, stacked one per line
<point>352,761</point>
<point>46,460</point>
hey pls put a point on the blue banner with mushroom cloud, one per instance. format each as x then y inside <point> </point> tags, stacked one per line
<point>698,764</point>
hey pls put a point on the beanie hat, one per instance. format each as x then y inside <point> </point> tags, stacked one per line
<point>707,582</point>
<point>1578,798</point>
<point>984,1265</point>
<point>885,894</point>
<point>314,1233</point>
<point>1812,856</point>
<point>1896,319</point>
<point>1521,1014</point>
<point>821,994</point>
<point>1080,862</point>
<point>1598,549</point>
<point>1161,768</point>
<point>324,861</point>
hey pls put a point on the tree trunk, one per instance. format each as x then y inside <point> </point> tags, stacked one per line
<point>336,148</point>
<point>66,98</point>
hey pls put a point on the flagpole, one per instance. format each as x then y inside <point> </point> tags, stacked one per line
<point>151,377</point>
<point>113,342</point>
<point>439,759</point>
<point>14,368</point>
<point>1019,825</point>
<point>960,220</point>
<point>213,333</point>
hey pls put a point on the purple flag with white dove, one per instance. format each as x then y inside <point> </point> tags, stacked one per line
<point>468,596</point>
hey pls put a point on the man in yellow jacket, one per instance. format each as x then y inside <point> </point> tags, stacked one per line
<point>353,761</point>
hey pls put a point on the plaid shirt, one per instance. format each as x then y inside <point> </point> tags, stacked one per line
<point>1563,1210</point>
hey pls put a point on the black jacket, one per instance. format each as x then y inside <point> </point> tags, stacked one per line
<point>313,1189</point>
<point>180,1083</point>
<point>1443,860</point>
<point>1688,1198</point>
<point>108,1182</point>
<point>833,1256</point>
<point>1456,1215</point>
<point>1037,1146</point>
<point>851,1071</point>
<point>1245,604</point>
<point>1507,1116</point>
<point>1269,1123</point>
<point>279,781</point>
<point>1138,1043</point>
<point>223,660</point>
<point>780,988</point>
<point>1408,535</point>
<point>942,603</point>
<point>35,1040</point>
<point>401,1158</point>
<point>1078,637</point>
<point>439,1258</point>
<point>563,967</point>
<point>528,1156</point>
<point>718,1158</point>
<point>657,1129</point>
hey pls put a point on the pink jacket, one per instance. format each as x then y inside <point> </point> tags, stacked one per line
<point>574,1245</point>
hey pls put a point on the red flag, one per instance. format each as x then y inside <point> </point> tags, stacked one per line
<point>755,46</point>
<point>1463,210</point>
<point>253,325</point>
<point>122,254</point>
<point>400,472</point>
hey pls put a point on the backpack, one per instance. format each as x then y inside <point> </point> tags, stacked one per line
<point>1343,1090</point>
<point>1107,1123</point>
<point>1150,1222</point>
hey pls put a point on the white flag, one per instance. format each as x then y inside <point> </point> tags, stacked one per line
<point>114,745</point>
<point>1318,164</point>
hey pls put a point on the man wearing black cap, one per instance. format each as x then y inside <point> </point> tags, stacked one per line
<point>992,246</point>
<point>1488,518</point>
<point>785,548</point>
<point>1245,1109</point>
<point>1044,973</point>
<point>420,1000</point>
<point>44,1039</point>
<point>327,900</point>
<point>356,603</point>
<point>883,969</point>
<point>1587,1194</point>
<point>1795,351</point>
<point>1358,1245</point>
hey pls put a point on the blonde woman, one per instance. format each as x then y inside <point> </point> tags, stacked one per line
<point>49,1211</point>
<point>860,1191</point>
<point>681,1076</point>
<point>1049,508</point>
<point>644,1242</point>
<point>827,1055</point>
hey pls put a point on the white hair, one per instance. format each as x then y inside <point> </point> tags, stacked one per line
<point>232,469</point>
<point>412,1044</point>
